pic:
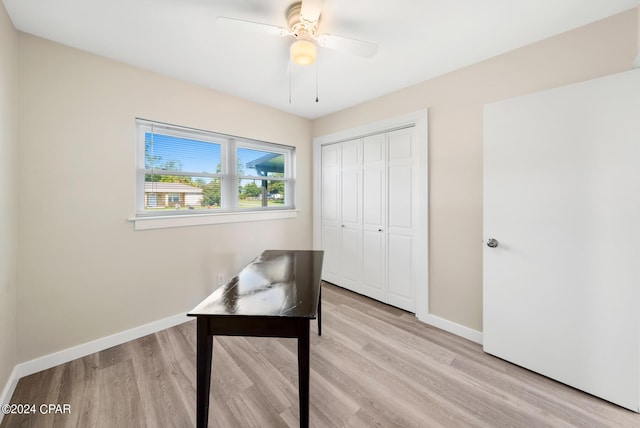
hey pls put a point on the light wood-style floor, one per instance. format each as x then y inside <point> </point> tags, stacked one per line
<point>374,366</point>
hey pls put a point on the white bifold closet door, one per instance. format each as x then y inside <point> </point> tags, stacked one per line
<point>402,218</point>
<point>369,215</point>
<point>330,212</point>
<point>351,214</point>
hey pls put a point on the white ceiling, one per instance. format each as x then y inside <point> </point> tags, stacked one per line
<point>418,40</point>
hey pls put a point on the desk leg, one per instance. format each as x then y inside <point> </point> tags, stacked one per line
<point>320,313</point>
<point>303,371</point>
<point>203,382</point>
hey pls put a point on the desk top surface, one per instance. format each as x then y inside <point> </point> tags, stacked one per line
<point>278,283</point>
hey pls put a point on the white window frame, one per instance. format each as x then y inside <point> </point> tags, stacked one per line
<point>229,212</point>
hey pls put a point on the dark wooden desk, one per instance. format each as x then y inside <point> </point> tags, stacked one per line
<point>274,296</point>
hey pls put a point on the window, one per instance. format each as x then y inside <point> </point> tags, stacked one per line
<point>183,171</point>
<point>261,178</point>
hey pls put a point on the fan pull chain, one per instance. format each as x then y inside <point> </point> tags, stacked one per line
<point>289,73</point>
<point>316,81</point>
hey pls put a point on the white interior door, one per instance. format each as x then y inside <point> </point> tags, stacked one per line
<point>562,197</point>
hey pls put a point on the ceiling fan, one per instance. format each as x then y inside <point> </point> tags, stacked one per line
<point>303,19</point>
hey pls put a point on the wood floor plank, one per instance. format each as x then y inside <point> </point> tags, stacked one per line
<point>119,400</point>
<point>374,366</point>
<point>79,385</point>
<point>277,390</point>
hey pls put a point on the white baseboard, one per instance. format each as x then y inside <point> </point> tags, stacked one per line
<point>452,327</point>
<point>66,355</point>
<point>9,388</point>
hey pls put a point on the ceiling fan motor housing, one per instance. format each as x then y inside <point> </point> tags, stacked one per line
<point>300,27</point>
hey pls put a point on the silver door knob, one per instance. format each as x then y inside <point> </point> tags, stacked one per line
<point>492,243</point>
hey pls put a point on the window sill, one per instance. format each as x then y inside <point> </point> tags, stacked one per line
<point>163,222</point>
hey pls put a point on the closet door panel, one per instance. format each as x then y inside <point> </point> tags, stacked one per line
<point>332,265</point>
<point>330,199</point>
<point>402,218</point>
<point>351,154</point>
<point>330,196</point>
<point>401,178</point>
<point>373,266</point>
<point>351,186</point>
<point>351,258</point>
<point>351,198</point>
<point>373,197</point>
<point>400,203</point>
<point>400,268</point>
<point>402,145</point>
<point>374,186</point>
<point>351,215</point>
<point>373,216</point>
<point>373,149</point>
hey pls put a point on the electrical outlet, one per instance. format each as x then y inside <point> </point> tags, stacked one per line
<point>221,279</point>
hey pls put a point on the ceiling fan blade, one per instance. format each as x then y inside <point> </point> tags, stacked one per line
<point>346,44</point>
<point>311,9</point>
<point>256,27</point>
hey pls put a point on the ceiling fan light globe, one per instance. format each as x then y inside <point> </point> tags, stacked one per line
<point>303,52</point>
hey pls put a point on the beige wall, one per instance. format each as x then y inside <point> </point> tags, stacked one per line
<point>455,103</point>
<point>83,272</point>
<point>637,60</point>
<point>8,213</point>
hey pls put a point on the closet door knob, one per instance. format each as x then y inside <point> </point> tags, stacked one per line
<point>379,230</point>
